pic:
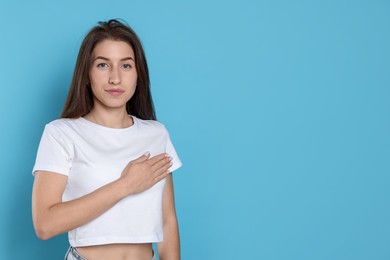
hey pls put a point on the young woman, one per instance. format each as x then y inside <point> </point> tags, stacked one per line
<point>103,170</point>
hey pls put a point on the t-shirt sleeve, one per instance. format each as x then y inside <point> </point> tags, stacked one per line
<point>54,154</point>
<point>170,150</point>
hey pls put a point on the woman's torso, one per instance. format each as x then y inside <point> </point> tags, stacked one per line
<point>117,252</point>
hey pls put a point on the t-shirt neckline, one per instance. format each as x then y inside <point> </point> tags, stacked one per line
<point>102,127</point>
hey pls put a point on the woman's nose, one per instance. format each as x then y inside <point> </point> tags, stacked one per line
<point>114,78</point>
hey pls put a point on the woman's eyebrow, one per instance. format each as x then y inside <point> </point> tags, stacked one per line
<point>107,59</point>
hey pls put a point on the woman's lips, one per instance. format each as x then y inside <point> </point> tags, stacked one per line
<point>115,92</point>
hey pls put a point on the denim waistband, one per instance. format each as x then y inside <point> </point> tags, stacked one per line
<point>72,254</point>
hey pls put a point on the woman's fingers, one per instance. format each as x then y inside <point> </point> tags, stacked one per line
<point>162,165</point>
<point>155,159</point>
<point>145,171</point>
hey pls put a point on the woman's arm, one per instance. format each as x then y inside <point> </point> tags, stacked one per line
<point>170,247</point>
<point>51,216</point>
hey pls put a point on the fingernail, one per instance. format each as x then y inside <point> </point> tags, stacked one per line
<point>170,158</point>
<point>171,163</point>
<point>166,155</point>
<point>147,154</point>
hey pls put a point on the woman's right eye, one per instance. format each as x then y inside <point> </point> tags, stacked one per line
<point>102,65</point>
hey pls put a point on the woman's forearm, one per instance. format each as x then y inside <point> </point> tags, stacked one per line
<point>61,217</point>
<point>170,247</point>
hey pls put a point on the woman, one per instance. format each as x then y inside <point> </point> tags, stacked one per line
<point>102,171</point>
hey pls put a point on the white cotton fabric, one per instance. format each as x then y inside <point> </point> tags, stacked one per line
<point>91,156</point>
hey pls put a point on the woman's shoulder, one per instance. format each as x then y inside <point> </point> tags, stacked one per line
<point>149,124</point>
<point>62,125</point>
<point>63,122</point>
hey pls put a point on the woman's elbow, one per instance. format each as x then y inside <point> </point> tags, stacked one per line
<point>42,230</point>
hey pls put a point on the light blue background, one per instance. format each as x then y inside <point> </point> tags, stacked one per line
<point>278,109</point>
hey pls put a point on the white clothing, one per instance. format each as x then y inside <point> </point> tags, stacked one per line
<point>91,156</point>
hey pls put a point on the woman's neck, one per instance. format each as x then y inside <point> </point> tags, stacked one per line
<point>110,118</point>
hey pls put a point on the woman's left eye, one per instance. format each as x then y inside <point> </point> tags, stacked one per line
<point>126,66</point>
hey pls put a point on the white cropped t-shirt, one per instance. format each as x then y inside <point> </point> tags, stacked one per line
<point>91,156</point>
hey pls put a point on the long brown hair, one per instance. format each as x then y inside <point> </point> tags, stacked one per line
<point>80,98</point>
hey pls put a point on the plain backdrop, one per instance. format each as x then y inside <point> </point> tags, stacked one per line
<point>279,111</point>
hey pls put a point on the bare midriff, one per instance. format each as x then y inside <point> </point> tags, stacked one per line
<point>117,252</point>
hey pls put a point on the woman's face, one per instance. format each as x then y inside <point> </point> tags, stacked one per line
<point>113,75</point>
